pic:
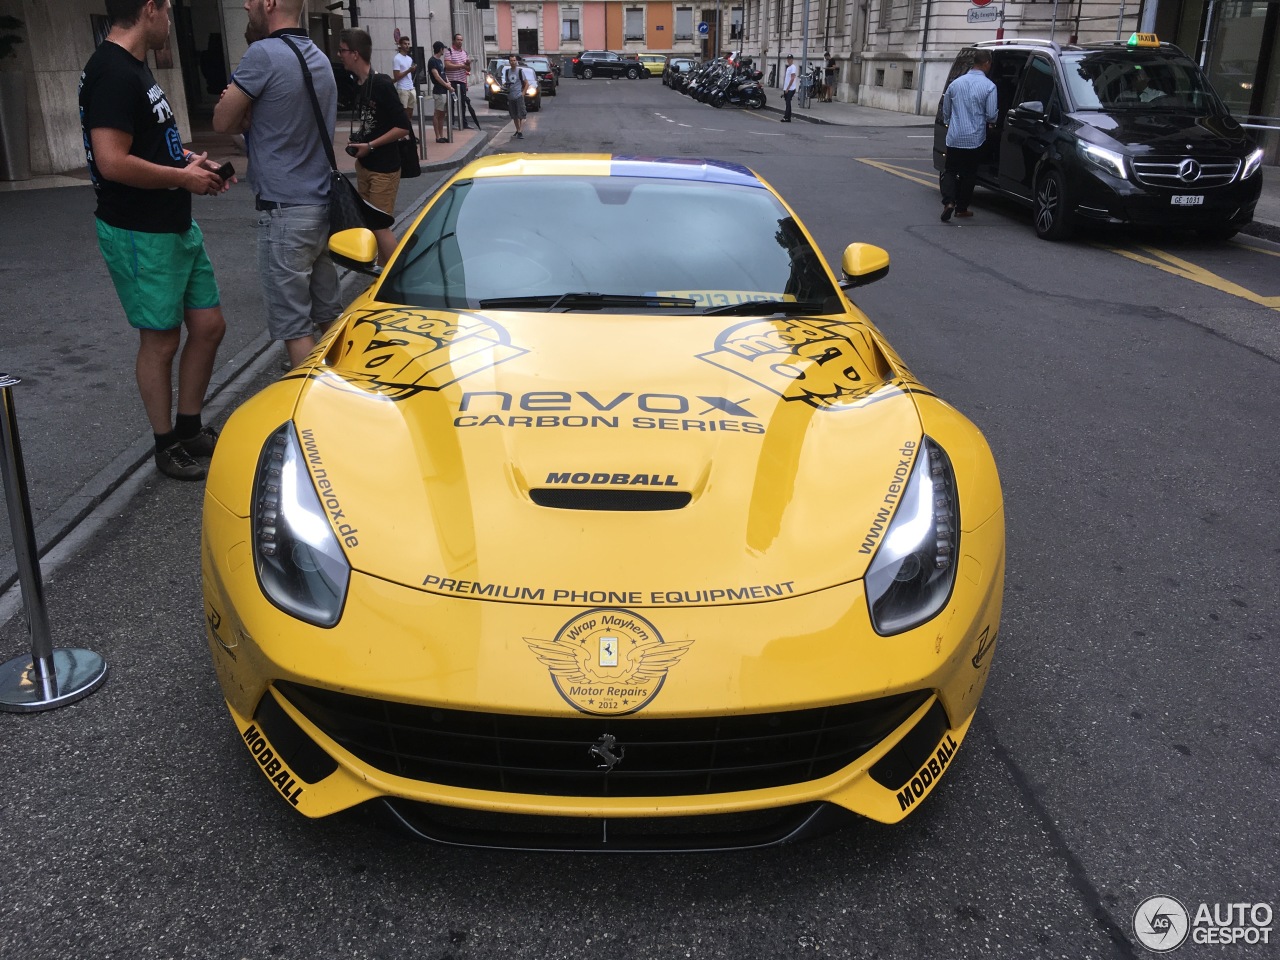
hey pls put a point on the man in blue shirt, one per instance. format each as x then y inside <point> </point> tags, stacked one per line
<point>968,110</point>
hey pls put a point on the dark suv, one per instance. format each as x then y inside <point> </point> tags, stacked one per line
<point>605,63</point>
<point>1112,133</point>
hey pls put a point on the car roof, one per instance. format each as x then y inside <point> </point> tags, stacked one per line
<point>615,165</point>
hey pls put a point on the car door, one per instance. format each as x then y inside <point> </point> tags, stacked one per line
<point>1029,126</point>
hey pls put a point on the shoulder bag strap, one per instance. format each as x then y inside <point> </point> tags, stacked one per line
<point>325,137</point>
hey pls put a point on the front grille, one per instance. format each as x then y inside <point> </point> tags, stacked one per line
<point>551,756</point>
<point>751,829</point>
<point>1185,173</point>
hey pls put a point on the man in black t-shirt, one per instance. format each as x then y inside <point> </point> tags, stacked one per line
<point>380,121</point>
<point>440,89</point>
<point>144,179</point>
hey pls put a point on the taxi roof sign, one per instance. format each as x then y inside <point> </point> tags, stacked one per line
<point>1144,40</point>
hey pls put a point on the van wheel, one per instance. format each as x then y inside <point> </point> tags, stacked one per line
<point>588,73</point>
<point>1219,232</point>
<point>632,73</point>
<point>1052,219</point>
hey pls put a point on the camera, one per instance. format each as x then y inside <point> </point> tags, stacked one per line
<point>353,150</point>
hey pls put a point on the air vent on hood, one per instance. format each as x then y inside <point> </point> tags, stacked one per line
<point>579,499</point>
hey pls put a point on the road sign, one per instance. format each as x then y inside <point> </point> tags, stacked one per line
<point>704,28</point>
<point>982,15</point>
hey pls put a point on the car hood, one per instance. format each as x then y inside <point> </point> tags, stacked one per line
<point>582,458</point>
<point>1163,132</point>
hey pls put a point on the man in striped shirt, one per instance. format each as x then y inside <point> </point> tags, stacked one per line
<point>968,110</point>
<point>457,65</point>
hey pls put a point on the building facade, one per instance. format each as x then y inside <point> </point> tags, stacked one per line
<point>892,54</point>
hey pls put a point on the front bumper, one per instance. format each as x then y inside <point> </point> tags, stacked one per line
<point>1101,197</point>
<point>763,663</point>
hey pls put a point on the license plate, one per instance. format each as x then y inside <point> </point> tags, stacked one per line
<point>1187,200</point>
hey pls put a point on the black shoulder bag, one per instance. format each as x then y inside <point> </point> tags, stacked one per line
<point>347,209</point>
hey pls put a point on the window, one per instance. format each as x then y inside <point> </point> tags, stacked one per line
<point>886,14</point>
<point>735,24</point>
<point>880,77</point>
<point>684,23</point>
<point>490,25</point>
<point>569,24</point>
<point>908,79</point>
<point>634,27</point>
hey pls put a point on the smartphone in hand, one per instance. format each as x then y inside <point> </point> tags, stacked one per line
<point>226,171</point>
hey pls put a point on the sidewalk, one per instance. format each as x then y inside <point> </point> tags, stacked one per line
<point>82,428</point>
<point>1266,218</point>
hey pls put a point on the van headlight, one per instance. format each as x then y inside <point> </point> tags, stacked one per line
<point>1108,161</point>
<point>300,564</point>
<point>914,569</point>
<point>1251,164</point>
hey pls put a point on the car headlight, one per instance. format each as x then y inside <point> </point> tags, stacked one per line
<point>914,569</point>
<point>493,85</point>
<point>301,567</point>
<point>530,90</point>
<point>1108,161</point>
<point>1251,164</point>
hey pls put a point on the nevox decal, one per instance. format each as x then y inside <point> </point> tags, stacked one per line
<point>542,409</point>
<point>400,353</point>
<point>608,662</point>
<point>822,363</point>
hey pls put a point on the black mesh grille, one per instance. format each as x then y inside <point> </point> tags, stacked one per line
<point>586,499</point>
<point>551,756</point>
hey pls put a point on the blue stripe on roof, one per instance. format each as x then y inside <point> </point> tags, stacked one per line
<point>683,168</point>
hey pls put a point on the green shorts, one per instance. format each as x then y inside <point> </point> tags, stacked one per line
<point>158,275</point>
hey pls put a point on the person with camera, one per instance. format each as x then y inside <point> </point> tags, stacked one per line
<point>382,122</point>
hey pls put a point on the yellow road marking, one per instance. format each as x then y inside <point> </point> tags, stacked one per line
<point>906,173</point>
<point>1153,258</point>
<point>1167,262</point>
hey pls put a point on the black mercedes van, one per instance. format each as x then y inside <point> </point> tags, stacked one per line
<point>1120,132</point>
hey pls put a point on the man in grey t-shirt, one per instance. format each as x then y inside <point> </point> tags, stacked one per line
<point>290,171</point>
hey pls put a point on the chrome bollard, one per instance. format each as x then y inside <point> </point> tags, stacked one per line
<point>48,678</point>
<point>422,130</point>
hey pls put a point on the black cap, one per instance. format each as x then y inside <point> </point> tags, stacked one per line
<point>790,57</point>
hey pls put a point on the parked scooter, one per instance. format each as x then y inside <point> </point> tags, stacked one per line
<point>739,88</point>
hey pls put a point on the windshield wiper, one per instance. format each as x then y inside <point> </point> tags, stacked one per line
<point>767,307</point>
<point>586,301</point>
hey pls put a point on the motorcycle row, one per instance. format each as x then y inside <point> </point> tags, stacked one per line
<point>723,82</point>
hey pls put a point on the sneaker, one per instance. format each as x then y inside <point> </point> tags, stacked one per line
<point>201,445</point>
<point>174,461</point>
<point>947,210</point>
<point>519,135</point>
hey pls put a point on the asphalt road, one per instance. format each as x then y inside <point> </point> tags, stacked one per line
<point>1126,746</point>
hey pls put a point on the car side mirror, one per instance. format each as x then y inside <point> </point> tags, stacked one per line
<point>863,263</point>
<point>356,250</point>
<point>1033,108</point>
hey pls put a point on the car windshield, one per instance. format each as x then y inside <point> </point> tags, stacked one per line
<point>537,238</point>
<point>1123,80</point>
<point>538,64</point>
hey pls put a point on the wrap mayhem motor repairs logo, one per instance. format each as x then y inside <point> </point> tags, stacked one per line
<point>821,363</point>
<point>608,662</point>
<point>401,353</point>
<point>1162,923</point>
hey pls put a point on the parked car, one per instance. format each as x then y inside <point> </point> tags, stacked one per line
<point>676,67</point>
<point>605,63</point>
<point>1112,133</point>
<point>496,97</point>
<point>547,78</point>
<point>653,63</point>
<point>546,542</point>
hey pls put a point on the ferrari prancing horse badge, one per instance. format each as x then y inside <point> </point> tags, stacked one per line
<point>608,662</point>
